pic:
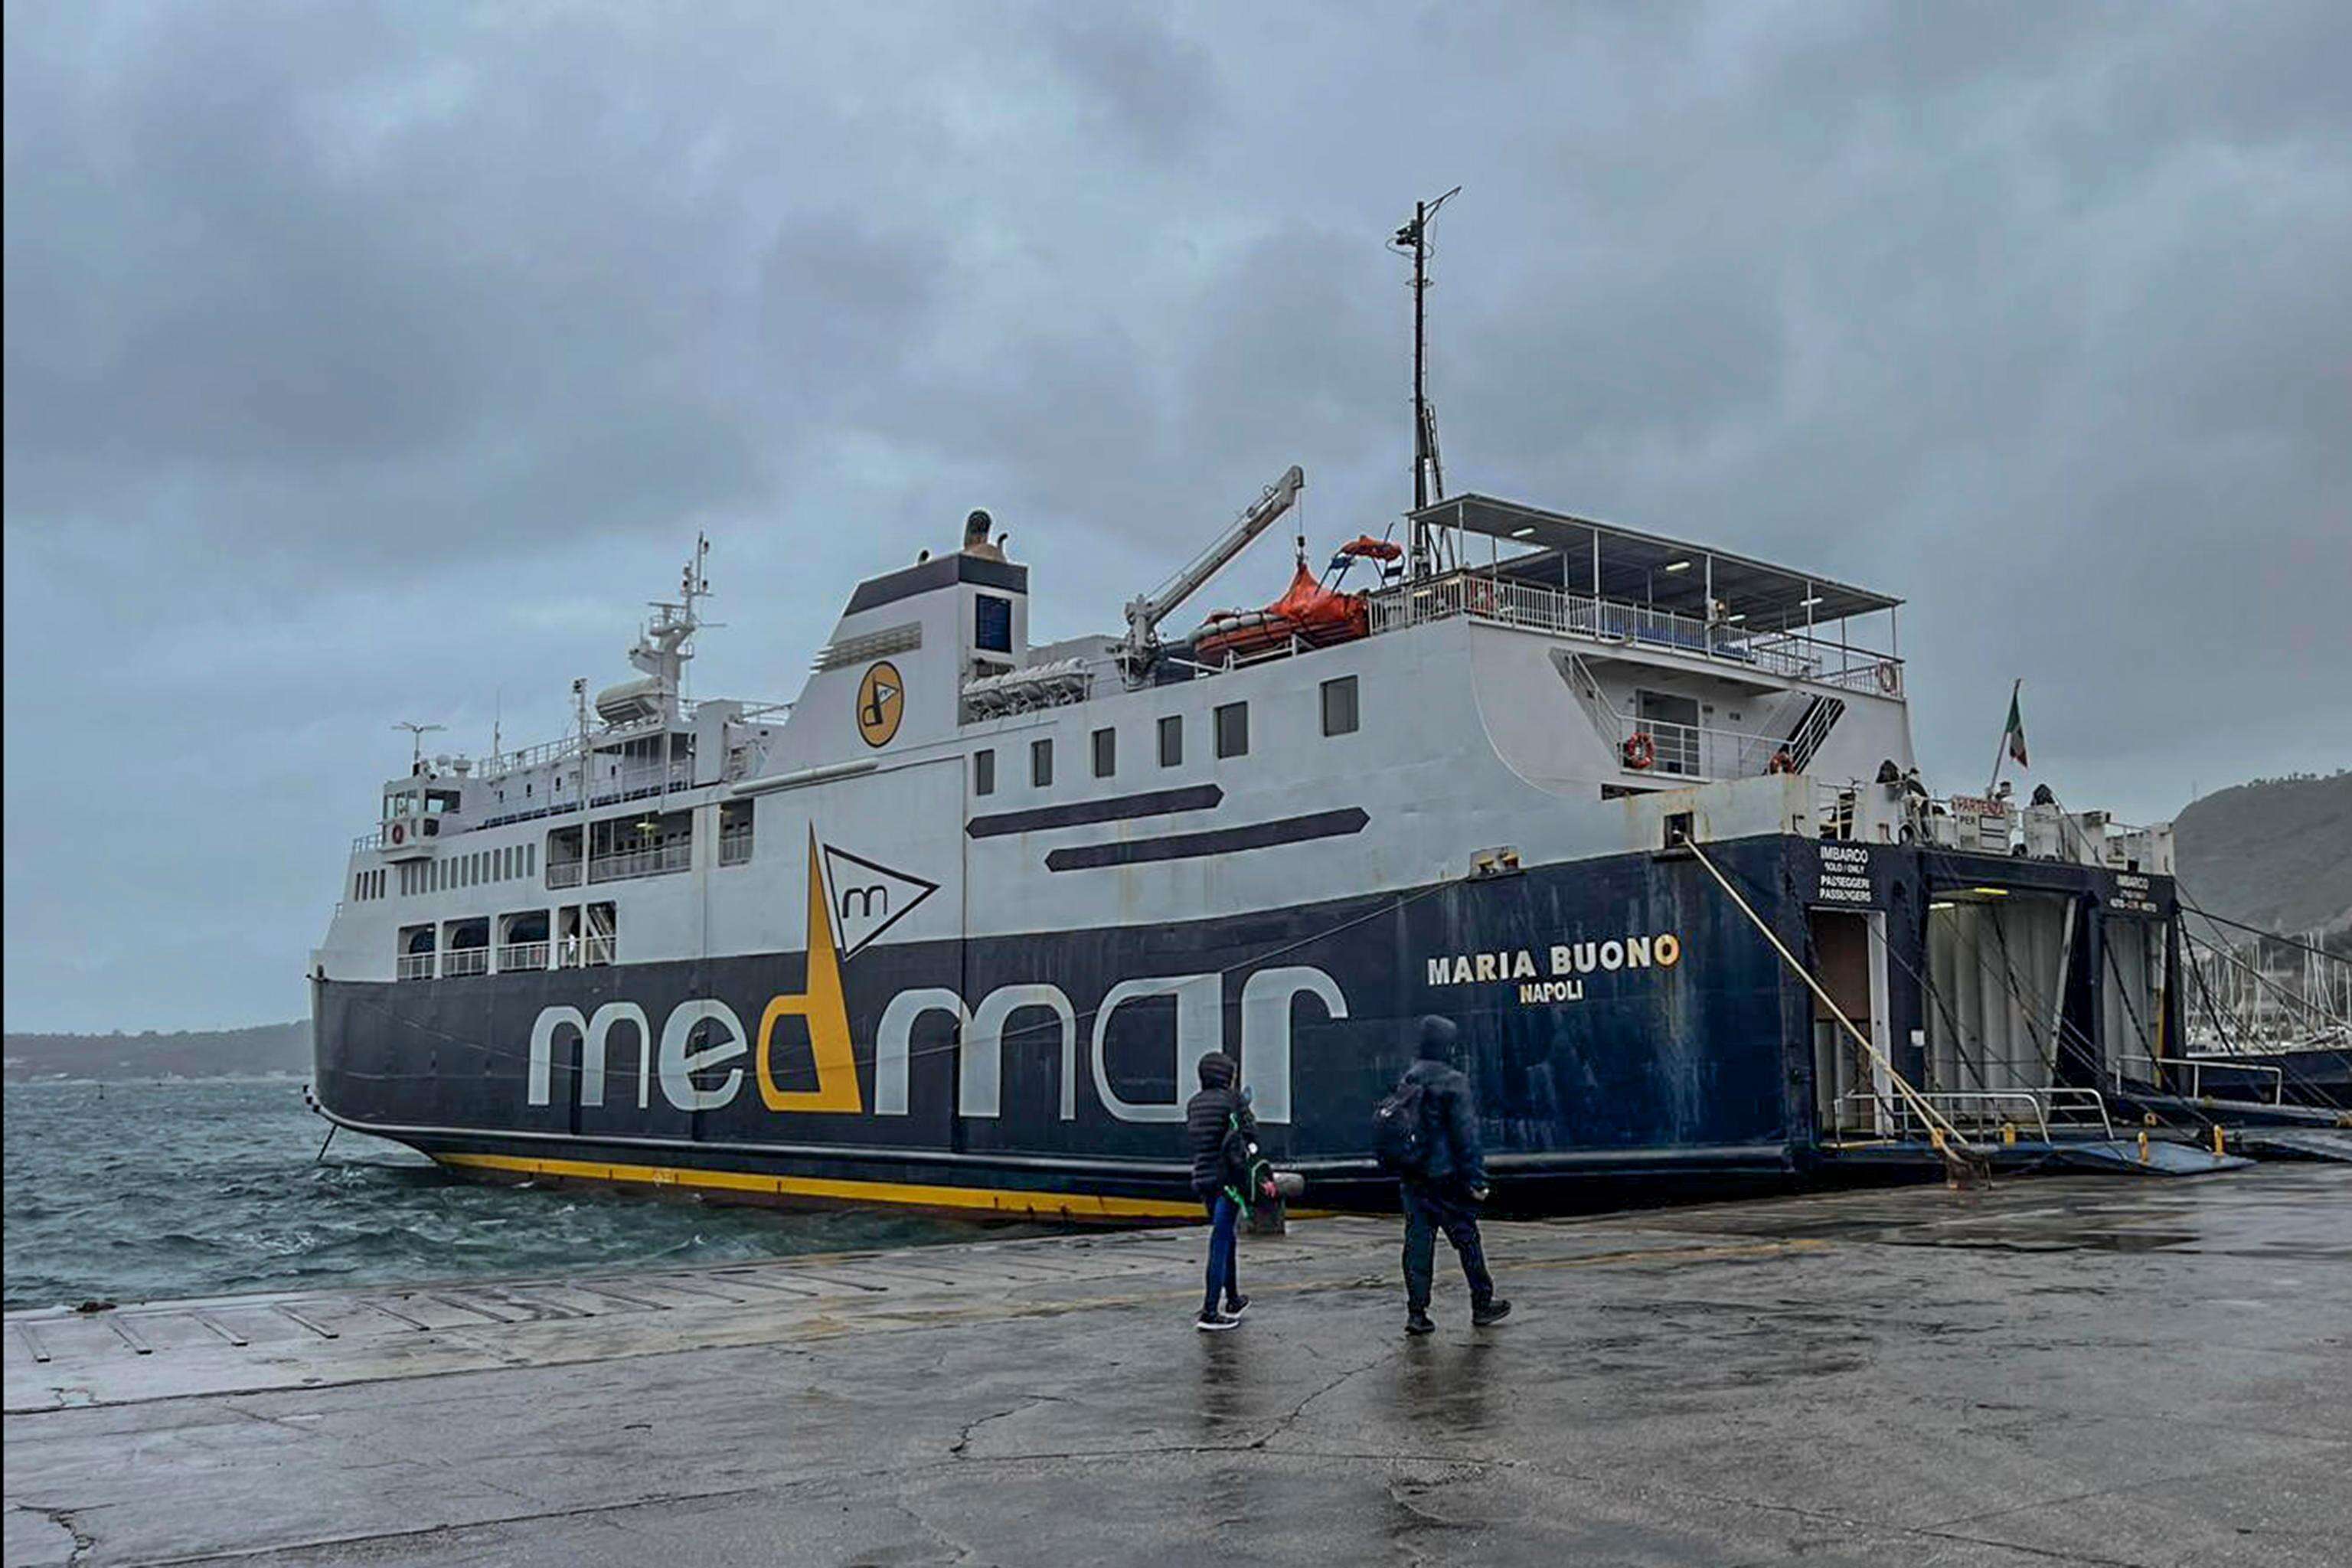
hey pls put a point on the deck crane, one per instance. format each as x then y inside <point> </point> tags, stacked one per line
<point>1145,614</point>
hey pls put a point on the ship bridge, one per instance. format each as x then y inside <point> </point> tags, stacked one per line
<point>1563,574</point>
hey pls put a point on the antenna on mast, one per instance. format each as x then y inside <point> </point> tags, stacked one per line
<point>1428,476</point>
<point>416,733</point>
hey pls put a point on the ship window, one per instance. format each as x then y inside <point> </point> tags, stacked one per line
<point>1232,729</point>
<point>1340,706</point>
<point>530,859</point>
<point>1106,752</point>
<point>991,630</point>
<point>983,772</point>
<point>1172,740</point>
<point>1041,763</point>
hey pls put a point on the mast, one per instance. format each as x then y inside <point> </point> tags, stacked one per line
<point>1428,479</point>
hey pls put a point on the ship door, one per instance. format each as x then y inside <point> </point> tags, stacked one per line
<point>1850,1089</point>
<point>1997,976</point>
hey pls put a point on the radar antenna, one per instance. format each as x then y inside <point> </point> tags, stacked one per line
<point>416,733</point>
<point>1428,476</point>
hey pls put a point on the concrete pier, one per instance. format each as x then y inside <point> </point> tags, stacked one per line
<point>2094,1370</point>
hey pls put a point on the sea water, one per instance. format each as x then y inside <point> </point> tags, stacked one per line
<point>130,1192</point>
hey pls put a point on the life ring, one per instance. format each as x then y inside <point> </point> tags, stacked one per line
<point>1640,750</point>
<point>398,833</point>
<point>1889,677</point>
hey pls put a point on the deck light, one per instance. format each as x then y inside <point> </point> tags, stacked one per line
<point>1809,601</point>
<point>1737,618</point>
<point>1940,904</point>
<point>1990,892</point>
<point>1523,533</point>
<point>1678,565</point>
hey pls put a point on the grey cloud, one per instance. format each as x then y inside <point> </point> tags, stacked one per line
<point>367,364</point>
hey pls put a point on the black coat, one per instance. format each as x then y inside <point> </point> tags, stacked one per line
<point>1456,1155</point>
<point>1208,1116</point>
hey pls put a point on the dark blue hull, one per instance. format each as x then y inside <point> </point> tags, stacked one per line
<point>1621,1015</point>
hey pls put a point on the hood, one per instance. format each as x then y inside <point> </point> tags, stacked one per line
<point>1218,1071</point>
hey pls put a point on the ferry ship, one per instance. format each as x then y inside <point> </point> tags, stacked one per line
<point>955,926</point>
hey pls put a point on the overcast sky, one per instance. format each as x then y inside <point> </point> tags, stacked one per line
<point>367,364</point>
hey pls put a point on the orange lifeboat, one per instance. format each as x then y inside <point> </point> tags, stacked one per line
<point>1307,612</point>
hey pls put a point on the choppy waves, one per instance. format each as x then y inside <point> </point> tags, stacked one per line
<point>144,1191</point>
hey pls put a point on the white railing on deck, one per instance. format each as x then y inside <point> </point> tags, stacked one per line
<point>1534,606</point>
<point>522,955</point>
<point>563,873</point>
<point>1702,751</point>
<point>655,862</point>
<point>465,961</point>
<point>415,966</point>
<point>735,849</point>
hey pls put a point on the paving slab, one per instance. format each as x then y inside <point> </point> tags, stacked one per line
<point>2071,1369</point>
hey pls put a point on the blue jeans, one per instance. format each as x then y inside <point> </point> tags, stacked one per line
<point>1223,1276</point>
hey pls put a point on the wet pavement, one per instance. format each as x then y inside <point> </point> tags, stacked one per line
<point>2084,1369</point>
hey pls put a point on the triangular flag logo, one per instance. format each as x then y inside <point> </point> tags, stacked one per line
<point>868,899</point>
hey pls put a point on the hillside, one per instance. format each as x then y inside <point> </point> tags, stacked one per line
<point>2275,853</point>
<point>202,1053</point>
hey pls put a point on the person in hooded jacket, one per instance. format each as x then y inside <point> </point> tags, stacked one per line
<point>1446,1192</point>
<point>1211,1117</point>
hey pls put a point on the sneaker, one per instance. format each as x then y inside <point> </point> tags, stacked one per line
<point>1215,1322</point>
<point>1237,1305</point>
<point>1493,1313</point>
<point>1419,1323</point>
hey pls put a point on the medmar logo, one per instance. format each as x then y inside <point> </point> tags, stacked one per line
<point>850,902</point>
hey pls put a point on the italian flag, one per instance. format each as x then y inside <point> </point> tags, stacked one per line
<point>2014,734</point>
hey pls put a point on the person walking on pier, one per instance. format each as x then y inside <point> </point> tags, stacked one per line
<point>1223,1137</point>
<point>1440,1169</point>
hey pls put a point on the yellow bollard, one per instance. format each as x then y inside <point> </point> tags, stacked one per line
<point>2143,1148</point>
<point>2009,1133</point>
<point>2217,1138</point>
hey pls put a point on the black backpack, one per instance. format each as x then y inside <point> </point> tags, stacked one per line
<point>1400,1131</point>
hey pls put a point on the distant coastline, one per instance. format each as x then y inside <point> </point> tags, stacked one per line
<point>267,1050</point>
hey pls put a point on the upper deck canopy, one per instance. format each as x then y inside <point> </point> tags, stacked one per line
<point>1650,569</point>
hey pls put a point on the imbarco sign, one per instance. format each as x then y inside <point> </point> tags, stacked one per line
<point>846,911</point>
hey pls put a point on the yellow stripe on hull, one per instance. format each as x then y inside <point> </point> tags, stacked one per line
<point>993,1200</point>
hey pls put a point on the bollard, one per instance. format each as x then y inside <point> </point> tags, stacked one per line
<point>1271,1216</point>
<point>2009,1133</point>
<point>2217,1138</point>
<point>2143,1148</point>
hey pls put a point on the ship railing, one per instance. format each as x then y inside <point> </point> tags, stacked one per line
<point>415,967</point>
<point>1701,751</point>
<point>516,955</point>
<point>460,961</point>
<point>1537,606</point>
<point>735,849</point>
<point>563,873</point>
<point>657,861</point>
<point>597,949</point>
<point>1984,1107</point>
<point>366,842</point>
<point>2196,1064</point>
